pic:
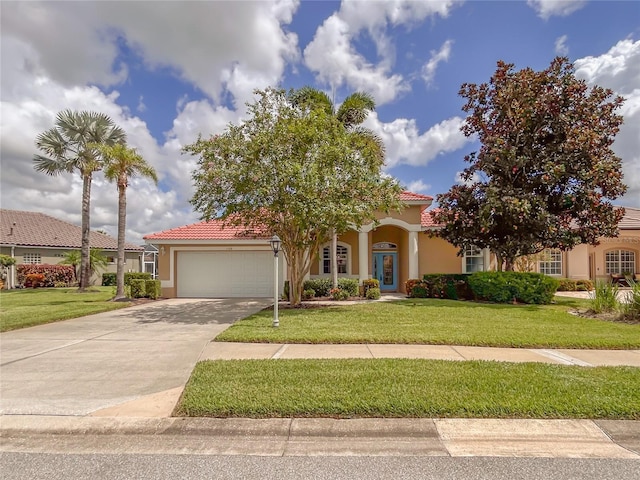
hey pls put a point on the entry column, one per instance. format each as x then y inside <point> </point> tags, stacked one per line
<point>363,256</point>
<point>413,255</point>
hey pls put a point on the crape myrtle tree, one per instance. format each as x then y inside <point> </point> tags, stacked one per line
<point>71,146</point>
<point>293,172</point>
<point>545,172</point>
<point>351,113</point>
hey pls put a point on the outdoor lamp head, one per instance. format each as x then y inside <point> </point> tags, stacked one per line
<point>275,244</point>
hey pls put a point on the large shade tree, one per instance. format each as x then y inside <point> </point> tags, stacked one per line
<point>351,113</point>
<point>122,163</point>
<point>294,172</point>
<point>545,172</point>
<point>70,146</point>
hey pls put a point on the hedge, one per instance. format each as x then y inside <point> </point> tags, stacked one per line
<point>128,276</point>
<point>507,287</point>
<point>350,285</point>
<point>109,279</point>
<point>54,275</point>
<point>440,285</point>
<point>319,285</point>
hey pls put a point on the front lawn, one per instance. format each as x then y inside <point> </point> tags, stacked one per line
<point>409,388</point>
<point>439,322</point>
<point>29,307</point>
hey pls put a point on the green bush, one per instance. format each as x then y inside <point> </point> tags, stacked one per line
<point>351,285</point>
<point>108,279</point>
<point>373,293</point>
<point>631,308</point>
<point>605,298</point>
<point>138,289</point>
<point>129,276</point>
<point>152,289</point>
<point>410,284</point>
<point>286,290</point>
<point>419,290</point>
<point>308,294</point>
<point>319,285</point>
<point>506,287</point>
<point>567,285</point>
<point>369,283</point>
<point>448,285</point>
<point>339,294</point>
<point>584,285</point>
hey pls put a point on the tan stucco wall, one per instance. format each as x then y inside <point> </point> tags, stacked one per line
<point>437,256</point>
<point>410,214</point>
<point>627,240</point>
<point>50,256</point>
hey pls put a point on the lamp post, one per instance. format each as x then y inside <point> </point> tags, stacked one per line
<point>275,246</point>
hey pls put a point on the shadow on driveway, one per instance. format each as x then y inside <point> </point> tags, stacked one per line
<point>197,312</point>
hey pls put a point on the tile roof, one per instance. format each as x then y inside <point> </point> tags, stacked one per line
<point>36,229</point>
<point>631,219</point>
<point>426,219</point>
<point>212,230</point>
<point>407,196</point>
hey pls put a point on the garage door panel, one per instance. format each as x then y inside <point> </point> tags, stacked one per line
<point>225,274</point>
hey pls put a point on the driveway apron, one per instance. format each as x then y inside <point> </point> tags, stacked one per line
<point>79,366</point>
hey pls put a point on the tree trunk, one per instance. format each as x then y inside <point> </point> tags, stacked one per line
<point>122,223</point>
<point>334,259</point>
<point>499,262</point>
<point>85,266</point>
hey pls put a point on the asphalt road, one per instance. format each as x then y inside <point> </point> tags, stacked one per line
<point>23,466</point>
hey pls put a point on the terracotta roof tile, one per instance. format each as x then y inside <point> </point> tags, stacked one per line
<point>36,229</point>
<point>211,230</point>
<point>407,196</point>
<point>426,219</point>
<point>631,219</point>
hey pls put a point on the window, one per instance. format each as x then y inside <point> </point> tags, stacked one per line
<point>33,258</point>
<point>342,252</point>
<point>620,261</point>
<point>473,259</point>
<point>551,263</point>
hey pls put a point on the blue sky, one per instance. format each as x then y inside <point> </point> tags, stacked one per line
<point>168,71</point>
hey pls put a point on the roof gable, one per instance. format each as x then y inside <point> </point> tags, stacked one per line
<point>34,229</point>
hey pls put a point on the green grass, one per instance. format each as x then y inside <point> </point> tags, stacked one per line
<point>439,322</point>
<point>409,388</point>
<point>29,307</point>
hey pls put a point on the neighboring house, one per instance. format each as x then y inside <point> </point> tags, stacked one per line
<point>209,259</point>
<point>32,237</point>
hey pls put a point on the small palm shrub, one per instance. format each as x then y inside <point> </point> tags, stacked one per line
<point>605,297</point>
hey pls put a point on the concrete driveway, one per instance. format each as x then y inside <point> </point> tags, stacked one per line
<point>96,364</point>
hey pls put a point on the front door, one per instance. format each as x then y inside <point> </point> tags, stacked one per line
<point>385,269</point>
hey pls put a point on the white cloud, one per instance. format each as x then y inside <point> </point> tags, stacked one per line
<point>474,179</point>
<point>418,186</point>
<point>561,46</point>
<point>561,8</point>
<point>619,70</point>
<point>406,146</point>
<point>335,60</point>
<point>429,68</point>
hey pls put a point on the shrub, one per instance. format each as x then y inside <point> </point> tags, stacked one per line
<point>631,308</point>
<point>152,289</point>
<point>605,299</point>
<point>351,285</point>
<point>567,285</point>
<point>410,284</point>
<point>584,285</point>
<point>420,290</point>
<point>505,287</point>
<point>109,279</point>
<point>339,294</point>
<point>137,287</point>
<point>308,294</point>
<point>369,283</point>
<point>53,274</point>
<point>373,293</point>
<point>453,286</point>
<point>34,280</point>
<point>319,285</point>
<point>286,290</point>
<point>129,276</point>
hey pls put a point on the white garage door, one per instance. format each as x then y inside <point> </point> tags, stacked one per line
<point>226,274</point>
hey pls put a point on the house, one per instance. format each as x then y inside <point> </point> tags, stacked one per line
<point>32,237</point>
<point>209,259</point>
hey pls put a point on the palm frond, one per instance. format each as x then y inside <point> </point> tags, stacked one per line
<point>355,108</point>
<point>312,98</point>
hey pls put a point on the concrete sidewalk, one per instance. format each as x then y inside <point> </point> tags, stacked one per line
<point>313,436</point>
<point>585,358</point>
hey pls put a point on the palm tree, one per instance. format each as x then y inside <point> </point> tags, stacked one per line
<point>97,260</point>
<point>70,146</point>
<point>351,113</point>
<point>120,164</point>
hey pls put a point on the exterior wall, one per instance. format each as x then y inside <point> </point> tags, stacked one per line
<point>53,256</point>
<point>627,240</point>
<point>399,236</point>
<point>410,214</point>
<point>438,256</point>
